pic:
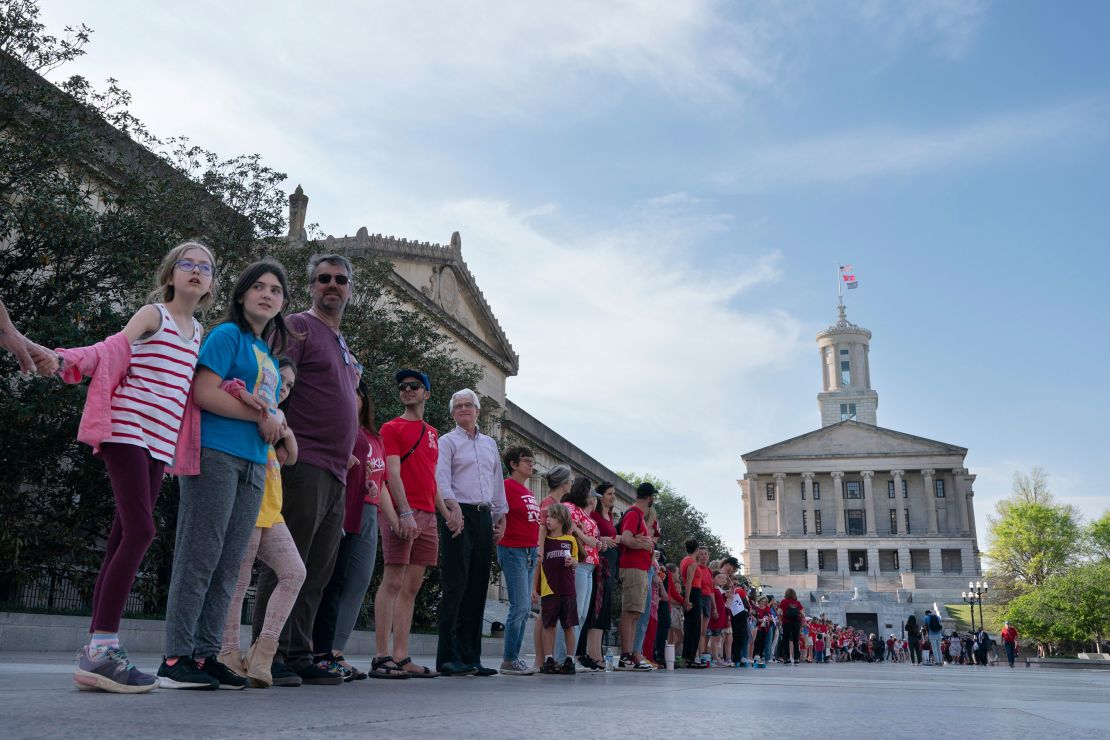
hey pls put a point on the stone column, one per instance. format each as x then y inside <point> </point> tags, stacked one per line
<point>904,559</point>
<point>961,503</point>
<point>838,500</point>
<point>842,560</point>
<point>780,490</point>
<point>807,487</point>
<point>930,499</point>
<point>753,495</point>
<point>811,559</point>
<point>900,503</point>
<point>869,498</point>
<point>784,560</point>
<point>873,560</point>
<point>936,568</point>
<point>969,497</point>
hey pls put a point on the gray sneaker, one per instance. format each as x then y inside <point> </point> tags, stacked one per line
<point>517,668</point>
<point>111,671</point>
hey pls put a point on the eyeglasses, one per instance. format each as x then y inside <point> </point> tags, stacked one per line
<point>190,266</point>
<point>325,278</point>
<point>413,385</point>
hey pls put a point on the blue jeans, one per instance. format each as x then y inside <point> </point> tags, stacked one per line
<point>769,643</point>
<point>645,615</point>
<point>583,579</point>
<point>1010,653</point>
<point>935,654</point>
<point>517,565</point>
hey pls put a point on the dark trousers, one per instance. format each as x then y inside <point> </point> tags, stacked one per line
<point>323,628</point>
<point>312,506</point>
<point>739,637</point>
<point>915,647</point>
<point>1010,651</point>
<point>662,627</point>
<point>790,635</point>
<point>691,628</point>
<point>464,568</point>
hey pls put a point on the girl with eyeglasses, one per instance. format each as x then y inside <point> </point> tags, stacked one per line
<point>221,499</point>
<point>134,418</point>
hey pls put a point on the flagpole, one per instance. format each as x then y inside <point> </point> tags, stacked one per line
<point>839,287</point>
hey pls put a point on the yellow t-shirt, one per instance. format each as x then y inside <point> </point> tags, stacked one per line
<point>270,513</point>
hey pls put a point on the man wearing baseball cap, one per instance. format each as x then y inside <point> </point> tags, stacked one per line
<point>410,537</point>
<point>636,546</point>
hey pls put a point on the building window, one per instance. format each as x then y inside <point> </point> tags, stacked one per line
<point>845,368</point>
<point>847,411</point>
<point>853,489</point>
<point>890,489</point>
<point>770,491</point>
<point>855,521</point>
<point>895,554</point>
<point>905,491</point>
<point>817,521</point>
<point>805,524</point>
<point>816,491</point>
<point>894,521</point>
<point>820,560</point>
<point>907,521</point>
<point>939,485</point>
<point>803,489</point>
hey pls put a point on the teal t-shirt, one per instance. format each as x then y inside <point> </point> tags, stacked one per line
<point>231,353</point>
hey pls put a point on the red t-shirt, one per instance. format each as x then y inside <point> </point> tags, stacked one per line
<point>677,596</point>
<point>1009,634</point>
<point>705,579</point>
<point>522,522</point>
<point>418,472</point>
<point>632,558</point>
<point>684,568</point>
<point>784,609</point>
<point>722,619</point>
<point>605,525</point>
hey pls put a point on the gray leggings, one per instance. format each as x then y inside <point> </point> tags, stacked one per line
<point>215,520</point>
<point>362,552</point>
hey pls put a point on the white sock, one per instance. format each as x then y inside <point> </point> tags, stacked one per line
<point>100,642</point>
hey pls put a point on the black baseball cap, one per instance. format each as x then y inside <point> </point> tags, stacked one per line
<point>645,490</point>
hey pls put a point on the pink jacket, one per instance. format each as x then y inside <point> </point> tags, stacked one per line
<point>106,364</point>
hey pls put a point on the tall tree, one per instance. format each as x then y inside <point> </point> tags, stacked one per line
<point>1032,537</point>
<point>1098,538</point>
<point>678,519</point>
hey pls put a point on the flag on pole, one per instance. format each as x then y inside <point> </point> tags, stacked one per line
<point>848,277</point>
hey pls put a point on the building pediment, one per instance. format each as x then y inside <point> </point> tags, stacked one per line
<point>853,439</point>
<point>436,278</point>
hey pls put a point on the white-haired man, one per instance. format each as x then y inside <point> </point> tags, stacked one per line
<point>468,474</point>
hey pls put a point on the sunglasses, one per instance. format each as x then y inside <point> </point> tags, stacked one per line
<point>190,266</point>
<point>413,385</point>
<point>325,278</point>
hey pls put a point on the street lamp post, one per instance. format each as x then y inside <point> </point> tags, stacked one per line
<point>970,600</point>
<point>976,592</point>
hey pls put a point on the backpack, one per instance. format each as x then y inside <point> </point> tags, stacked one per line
<point>934,623</point>
<point>792,614</point>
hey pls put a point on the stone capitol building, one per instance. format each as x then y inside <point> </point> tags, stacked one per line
<point>868,524</point>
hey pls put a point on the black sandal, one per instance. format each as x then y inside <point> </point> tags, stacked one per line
<point>386,668</point>
<point>425,671</point>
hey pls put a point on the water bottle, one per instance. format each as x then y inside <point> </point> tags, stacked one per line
<point>608,660</point>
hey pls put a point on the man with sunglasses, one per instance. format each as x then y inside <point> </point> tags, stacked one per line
<point>322,414</point>
<point>410,539</point>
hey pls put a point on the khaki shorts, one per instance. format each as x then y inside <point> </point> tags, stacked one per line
<point>634,589</point>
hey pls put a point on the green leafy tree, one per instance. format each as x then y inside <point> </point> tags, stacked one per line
<point>678,519</point>
<point>1032,537</point>
<point>1071,607</point>
<point>1098,538</point>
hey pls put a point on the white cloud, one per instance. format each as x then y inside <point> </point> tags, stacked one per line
<point>630,353</point>
<point>883,152</point>
<point>948,26</point>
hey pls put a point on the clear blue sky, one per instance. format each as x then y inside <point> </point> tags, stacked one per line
<point>654,197</point>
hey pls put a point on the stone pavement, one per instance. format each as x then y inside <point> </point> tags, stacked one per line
<point>37,699</point>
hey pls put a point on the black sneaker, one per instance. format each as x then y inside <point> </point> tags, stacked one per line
<point>227,678</point>
<point>184,674</point>
<point>339,664</point>
<point>317,674</point>
<point>283,675</point>
<point>567,668</point>
<point>549,667</point>
<point>626,663</point>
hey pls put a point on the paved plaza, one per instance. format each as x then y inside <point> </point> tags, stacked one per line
<point>37,699</point>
